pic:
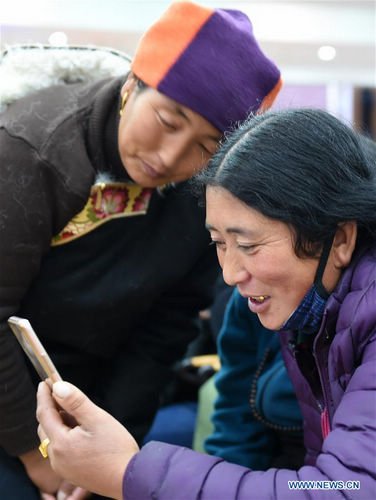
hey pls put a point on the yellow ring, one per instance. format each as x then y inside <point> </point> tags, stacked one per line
<point>43,447</point>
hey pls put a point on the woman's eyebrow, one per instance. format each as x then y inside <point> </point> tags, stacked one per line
<point>241,231</point>
<point>234,230</point>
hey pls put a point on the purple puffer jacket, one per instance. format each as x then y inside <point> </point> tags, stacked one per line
<point>345,353</point>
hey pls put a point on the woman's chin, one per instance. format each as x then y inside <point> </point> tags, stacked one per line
<point>145,181</point>
<point>273,324</point>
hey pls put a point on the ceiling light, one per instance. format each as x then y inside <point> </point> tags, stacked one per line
<point>326,53</point>
<point>58,38</point>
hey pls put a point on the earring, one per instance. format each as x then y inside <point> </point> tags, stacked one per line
<point>123,101</point>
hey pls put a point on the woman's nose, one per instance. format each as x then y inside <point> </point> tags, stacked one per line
<point>233,269</point>
<point>174,149</point>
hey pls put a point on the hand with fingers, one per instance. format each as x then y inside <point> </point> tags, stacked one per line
<point>94,441</point>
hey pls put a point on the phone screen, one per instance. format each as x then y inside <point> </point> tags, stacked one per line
<point>33,348</point>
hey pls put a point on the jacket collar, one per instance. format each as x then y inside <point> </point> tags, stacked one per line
<point>355,277</point>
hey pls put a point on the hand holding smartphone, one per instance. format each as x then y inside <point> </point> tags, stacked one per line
<point>33,348</point>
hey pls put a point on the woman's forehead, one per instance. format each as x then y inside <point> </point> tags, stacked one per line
<point>222,207</point>
<point>225,212</point>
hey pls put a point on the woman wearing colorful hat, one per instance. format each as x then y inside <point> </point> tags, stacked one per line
<point>102,246</point>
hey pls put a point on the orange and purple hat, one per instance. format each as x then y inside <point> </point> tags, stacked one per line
<point>208,60</point>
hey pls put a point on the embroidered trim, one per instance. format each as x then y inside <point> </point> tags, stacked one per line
<point>107,201</point>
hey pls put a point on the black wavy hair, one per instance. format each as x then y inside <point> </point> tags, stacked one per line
<point>303,167</point>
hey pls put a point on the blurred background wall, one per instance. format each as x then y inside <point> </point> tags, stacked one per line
<point>326,49</point>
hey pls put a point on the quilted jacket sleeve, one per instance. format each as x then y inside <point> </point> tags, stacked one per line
<point>345,468</point>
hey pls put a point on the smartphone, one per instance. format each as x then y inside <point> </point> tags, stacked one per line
<point>33,348</point>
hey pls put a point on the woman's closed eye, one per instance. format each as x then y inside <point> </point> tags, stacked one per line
<point>218,243</point>
<point>247,247</point>
<point>207,150</point>
<point>165,122</point>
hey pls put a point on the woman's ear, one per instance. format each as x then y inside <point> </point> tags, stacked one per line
<point>344,244</point>
<point>129,84</point>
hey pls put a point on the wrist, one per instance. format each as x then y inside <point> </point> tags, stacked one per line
<point>31,457</point>
<point>118,475</point>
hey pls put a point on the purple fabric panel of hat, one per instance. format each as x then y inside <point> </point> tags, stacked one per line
<point>223,82</point>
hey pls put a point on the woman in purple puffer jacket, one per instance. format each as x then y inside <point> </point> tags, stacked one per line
<point>291,208</point>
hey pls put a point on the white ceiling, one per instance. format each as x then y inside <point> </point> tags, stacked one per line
<point>289,31</point>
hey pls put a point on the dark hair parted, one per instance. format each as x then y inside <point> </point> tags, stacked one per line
<point>303,167</point>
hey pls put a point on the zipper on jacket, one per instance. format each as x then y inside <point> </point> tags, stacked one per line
<point>325,420</point>
<point>252,400</point>
<point>325,424</point>
<point>317,387</point>
<point>306,361</point>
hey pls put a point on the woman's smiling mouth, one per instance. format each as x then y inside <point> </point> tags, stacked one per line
<point>258,298</point>
<point>258,303</point>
